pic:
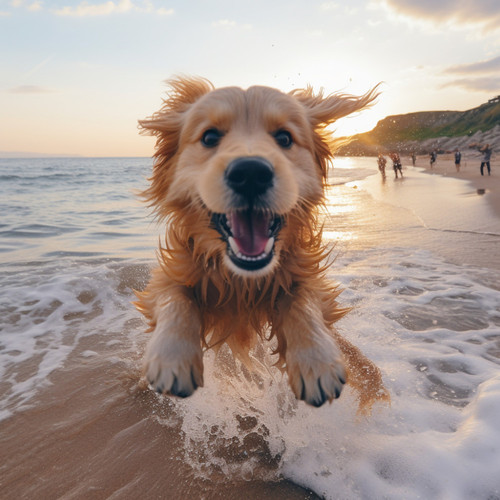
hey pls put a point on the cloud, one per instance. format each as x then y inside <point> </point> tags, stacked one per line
<point>101,9</point>
<point>86,9</point>
<point>29,89</point>
<point>485,84</point>
<point>35,6</point>
<point>482,67</point>
<point>477,76</point>
<point>465,12</point>
<point>90,9</point>
<point>165,12</point>
<point>227,23</point>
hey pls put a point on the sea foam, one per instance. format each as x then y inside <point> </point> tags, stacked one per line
<point>437,439</point>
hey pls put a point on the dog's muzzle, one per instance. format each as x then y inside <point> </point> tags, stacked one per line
<point>250,229</point>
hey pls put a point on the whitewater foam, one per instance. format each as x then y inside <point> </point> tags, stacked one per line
<point>442,421</point>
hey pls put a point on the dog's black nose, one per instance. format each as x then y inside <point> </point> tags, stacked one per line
<point>250,176</point>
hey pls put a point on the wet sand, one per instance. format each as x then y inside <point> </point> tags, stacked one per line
<point>488,185</point>
<point>128,446</point>
<point>453,213</point>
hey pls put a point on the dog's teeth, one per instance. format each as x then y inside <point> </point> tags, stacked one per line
<point>269,246</point>
<point>234,246</point>
<point>250,258</point>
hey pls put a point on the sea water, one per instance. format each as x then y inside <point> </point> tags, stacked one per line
<point>418,261</point>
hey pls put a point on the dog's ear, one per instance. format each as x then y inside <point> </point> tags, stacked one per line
<point>166,125</point>
<point>323,111</point>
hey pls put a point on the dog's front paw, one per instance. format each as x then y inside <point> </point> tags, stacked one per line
<point>174,366</point>
<point>316,374</point>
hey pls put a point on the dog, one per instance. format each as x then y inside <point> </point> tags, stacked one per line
<point>238,179</point>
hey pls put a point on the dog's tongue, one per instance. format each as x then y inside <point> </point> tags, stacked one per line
<point>250,231</point>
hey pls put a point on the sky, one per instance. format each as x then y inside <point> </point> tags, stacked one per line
<point>75,76</point>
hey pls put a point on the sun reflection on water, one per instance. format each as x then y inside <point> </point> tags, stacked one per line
<point>339,209</point>
<point>338,235</point>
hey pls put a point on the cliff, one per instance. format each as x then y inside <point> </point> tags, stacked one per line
<point>423,131</point>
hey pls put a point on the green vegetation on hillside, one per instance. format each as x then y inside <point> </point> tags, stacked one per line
<point>427,125</point>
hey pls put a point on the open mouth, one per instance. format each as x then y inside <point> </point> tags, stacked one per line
<point>250,236</point>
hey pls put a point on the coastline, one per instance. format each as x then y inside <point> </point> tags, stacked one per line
<point>469,171</point>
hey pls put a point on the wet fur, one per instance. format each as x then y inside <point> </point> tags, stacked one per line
<point>196,299</point>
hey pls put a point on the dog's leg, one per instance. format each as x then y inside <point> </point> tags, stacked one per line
<point>173,362</point>
<point>314,362</point>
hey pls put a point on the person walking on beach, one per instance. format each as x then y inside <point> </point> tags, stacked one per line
<point>381,164</point>
<point>396,163</point>
<point>413,158</point>
<point>486,150</point>
<point>486,158</point>
<point>432,156</point>
<point>458,158</point>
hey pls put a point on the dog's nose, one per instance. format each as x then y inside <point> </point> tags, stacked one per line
<point>250,176</point>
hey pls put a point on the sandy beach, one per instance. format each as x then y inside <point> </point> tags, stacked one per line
<point>469,171</point>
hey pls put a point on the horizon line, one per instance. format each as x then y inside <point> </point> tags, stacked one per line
<point>13,155</point>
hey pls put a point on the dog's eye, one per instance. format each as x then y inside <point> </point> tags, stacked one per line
<point>211,138</point>
<point>283,139</point>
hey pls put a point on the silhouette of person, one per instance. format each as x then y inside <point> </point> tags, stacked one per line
<point>432,156</point>
<point>458,159</point>
<point>381,164</point>
<point>486,150</point>
<point>396,163</point>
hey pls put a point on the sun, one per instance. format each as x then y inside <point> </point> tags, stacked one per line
<point>364,121</point>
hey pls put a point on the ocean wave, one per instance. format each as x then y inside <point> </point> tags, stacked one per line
<point>71,177</point>
<point>47,310</point>
<point>37,231</point>
<point>249,426</point>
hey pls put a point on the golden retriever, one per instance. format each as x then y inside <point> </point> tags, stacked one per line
<point>238,178</point>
